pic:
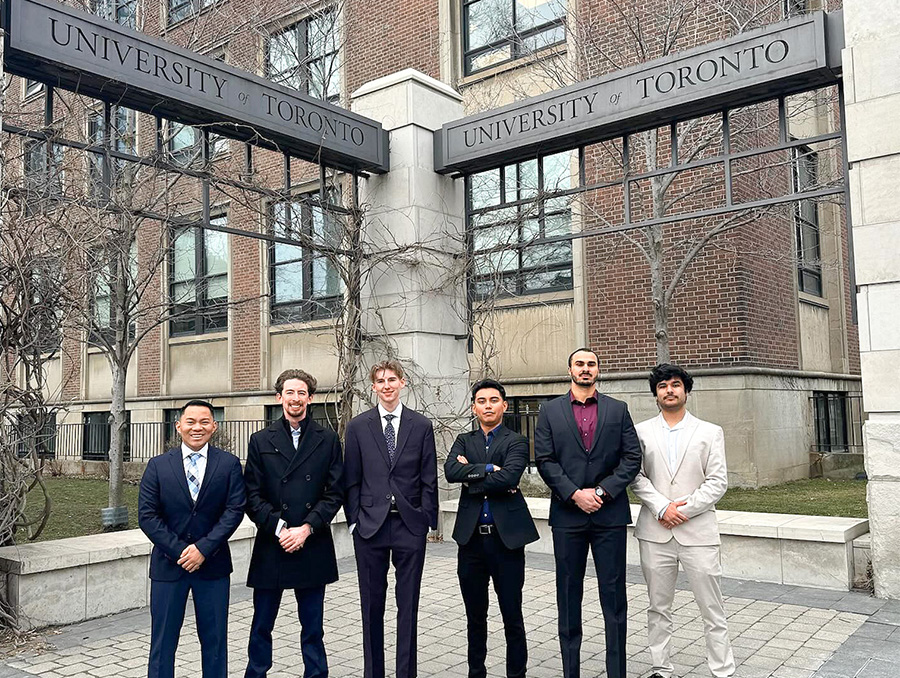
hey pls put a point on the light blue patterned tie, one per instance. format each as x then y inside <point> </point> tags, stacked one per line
<point>390,436</point>
<point>193,474</point>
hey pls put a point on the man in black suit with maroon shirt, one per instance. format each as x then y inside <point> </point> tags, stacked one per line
<point>390,475</point>
<point>587,451</point>
<point>492,526</point>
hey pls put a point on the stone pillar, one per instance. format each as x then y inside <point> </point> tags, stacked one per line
<point>414,297</point>
<point>872,91</point>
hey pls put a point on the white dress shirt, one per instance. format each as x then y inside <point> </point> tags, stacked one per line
<point>672,436</point>
<point>201,462</point>
<point>395,421</point>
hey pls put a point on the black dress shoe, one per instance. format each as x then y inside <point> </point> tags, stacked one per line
<point>656,675</point>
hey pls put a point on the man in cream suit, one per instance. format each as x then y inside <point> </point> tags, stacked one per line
<point>682,477</point>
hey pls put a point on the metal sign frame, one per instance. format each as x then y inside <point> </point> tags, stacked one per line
<point>73,50</point>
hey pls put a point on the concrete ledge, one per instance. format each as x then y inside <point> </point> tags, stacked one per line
<point>771,547</point>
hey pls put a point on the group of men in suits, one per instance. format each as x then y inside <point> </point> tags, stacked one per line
<point>587,450</point>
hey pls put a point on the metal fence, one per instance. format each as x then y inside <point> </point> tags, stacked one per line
<point>143,440</point>
<point>838,422</point>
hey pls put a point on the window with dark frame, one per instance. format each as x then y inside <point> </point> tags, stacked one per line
<point>182,9</point>
<point>123,134</point>
<point>791,8</point>
<point>198,279</point>
<point>123,12</point>
<point>305,56</point>
<point>40,436</point>
<point>103,310</point>
<point>804,177</point>
<point>46,276</point>
<point>521,417</point>
<point>184,144</point>
<point>831,421</point>
<point>43,174</point>
<point>96,436</point>
<point>305,284</point>
<point>508,209</point>
<point>499,31</point>
<point>32,87</point>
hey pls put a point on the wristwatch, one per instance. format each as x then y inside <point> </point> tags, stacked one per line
<point>599,491</point>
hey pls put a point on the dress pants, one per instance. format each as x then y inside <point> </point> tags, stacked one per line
<point>310,609</point>
<point>392,543</point>
<point>168,600</point>
<point>659,563</point>
<point>483,559</point>
<point>570,549</point>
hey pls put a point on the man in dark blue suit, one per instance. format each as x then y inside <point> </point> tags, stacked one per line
<point>390,475</point>
<point>191,501</point>
<point>587,451</point>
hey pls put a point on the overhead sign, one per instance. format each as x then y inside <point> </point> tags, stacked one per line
<point>786,57</point>
<point>74,50</point>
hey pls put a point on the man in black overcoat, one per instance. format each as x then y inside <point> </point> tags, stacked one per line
<point>293,478</point>
<point>492,526</point>
<point>391,482</point>
<point>587,451</point>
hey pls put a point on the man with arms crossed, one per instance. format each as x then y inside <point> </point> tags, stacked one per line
<point>293,480</point>
<point>191,501</point>
<point>682,477</point>
<point>390,474</point>
<point>587,452</point>
<point>492,526</point>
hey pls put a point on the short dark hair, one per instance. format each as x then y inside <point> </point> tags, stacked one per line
<point>197,403</point>
<point>488,383</point>
<point>666,371</point>
<point>392,365</point>
<point>585,349</point>
<point>303,376</point>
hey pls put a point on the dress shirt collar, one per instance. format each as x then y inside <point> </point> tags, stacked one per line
<point>187,451</point>
<point>289,428</point>
<point>685,420</point>
<point>397,412</point>
<point>490,435</point>
<point>590,400</point>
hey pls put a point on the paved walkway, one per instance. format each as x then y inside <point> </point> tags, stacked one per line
<point>777,631</point>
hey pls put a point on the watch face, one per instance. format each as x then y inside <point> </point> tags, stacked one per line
<point>598,492</point>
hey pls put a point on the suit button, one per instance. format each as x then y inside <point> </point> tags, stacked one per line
<point>284,507</point>
<point>387,496</point>
<point>190,538</point>
<point>283,481</point>
<point>309,477</point>
<point>308,505</point>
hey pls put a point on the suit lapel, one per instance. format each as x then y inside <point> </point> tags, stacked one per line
<point>309,441</point>
<point>281,439</point>
<point>601,420</point>
<point>212,463</point>
<point>497,446</point>
<point>177,463</point>
<point>684,440</point>
<point>662,447</point>
<point>378,435</point>
<point>403,434</point>
<point>570,419</point>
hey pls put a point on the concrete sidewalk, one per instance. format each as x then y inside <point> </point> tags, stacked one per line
<point>778,631</point>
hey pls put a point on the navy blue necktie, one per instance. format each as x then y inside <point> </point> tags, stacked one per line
<point>390,437</point>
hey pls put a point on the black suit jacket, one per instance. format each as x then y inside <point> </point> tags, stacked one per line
<point>297,486</point>
<point>612,462</point>
<point>371,480</point>
<point>509,451</point>
<point>172,521</point>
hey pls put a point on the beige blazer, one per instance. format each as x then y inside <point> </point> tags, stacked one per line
<point>700,478</point>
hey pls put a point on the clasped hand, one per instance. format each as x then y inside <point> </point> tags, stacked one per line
<point>191,559</point>
<point>293,538</point>
<point>673,517</point>
<point>587,500</point>
<point>462,460</point>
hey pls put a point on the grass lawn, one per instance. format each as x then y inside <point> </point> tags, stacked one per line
<point>76,507</point>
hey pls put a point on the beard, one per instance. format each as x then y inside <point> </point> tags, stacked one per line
<point>584,380</point>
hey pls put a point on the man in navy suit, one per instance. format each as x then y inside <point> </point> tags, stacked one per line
<point>587,451</point>
<point>390,475</point>
<point>191,501</point>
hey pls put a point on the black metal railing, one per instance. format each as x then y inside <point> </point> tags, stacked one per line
<point>837,421</point>
<point>143,440</point>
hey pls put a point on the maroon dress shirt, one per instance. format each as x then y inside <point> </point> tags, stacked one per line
<point>585,418</point>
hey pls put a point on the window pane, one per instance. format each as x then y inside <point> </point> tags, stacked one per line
<point>533,13</point>
<point>284,59</point>
<point>184,292</point>
<point>325,77</point>
<point>558,171</point>
<point>326,281</point>
<point>216,245</point>
<point>183,258</point>
<point>537,41</point>
<point>488,21</point>
<point>217,287</point>
<point>548,280</point>
<point>488,58</point>
<point>323,33</point>
<point>288,282</point>
<point>485,189</point>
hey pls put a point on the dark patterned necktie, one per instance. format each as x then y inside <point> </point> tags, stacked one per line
<point>390,437</point>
